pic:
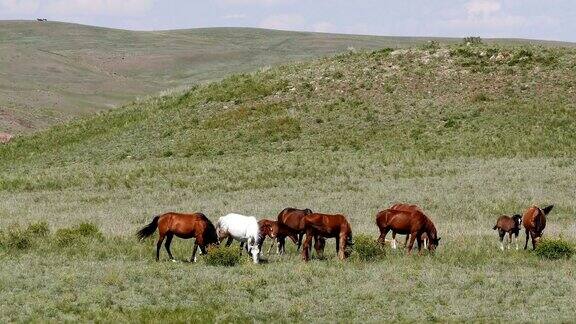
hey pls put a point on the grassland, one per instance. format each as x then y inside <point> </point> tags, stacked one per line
<point>467,132</point>
<point>52,72</point>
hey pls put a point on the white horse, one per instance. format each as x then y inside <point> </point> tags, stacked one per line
<point>241,228</point>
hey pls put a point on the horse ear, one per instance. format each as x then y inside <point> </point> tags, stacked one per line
<point>546,210</point>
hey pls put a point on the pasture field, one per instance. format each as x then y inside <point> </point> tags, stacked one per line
<point>53,71</point>
<point>466,132</point>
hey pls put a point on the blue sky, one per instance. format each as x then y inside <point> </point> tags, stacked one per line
<point>539,19</point>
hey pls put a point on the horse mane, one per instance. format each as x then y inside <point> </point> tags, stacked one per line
<point>429,226</point>
<point>210,232</point>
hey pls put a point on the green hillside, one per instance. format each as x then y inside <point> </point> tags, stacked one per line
<point>466,132</point>
<point>54,71</point>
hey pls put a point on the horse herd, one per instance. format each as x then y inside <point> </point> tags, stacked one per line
<point>307,227</point>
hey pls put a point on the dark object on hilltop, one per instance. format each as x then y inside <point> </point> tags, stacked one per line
<point>41,19</point>
<point>472,40</point>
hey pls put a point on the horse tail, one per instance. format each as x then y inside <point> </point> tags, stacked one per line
<point>149,229</point>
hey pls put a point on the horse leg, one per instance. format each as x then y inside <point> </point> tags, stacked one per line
<point>306,247</point>
<point>406,241</point>
<point>193,258</point>
<point>299,244</point>
<point>394,245</point>
<point>420,244</point>
<point>533,241</point>
<point>281,249</point>
<point>319,244</point>
<point>159,245</point>
<point>229,241</point>
<point>341,246</point>
<point>272,245</point>
<point>383,233</point>
<point>167,245</point>
<point>516,240</point>
<point>411,244</point>
<point>526,244</point>
<point>501,234</point>
<point>509,240</point>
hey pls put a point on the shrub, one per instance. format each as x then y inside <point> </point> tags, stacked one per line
<point>38,229</point>
<point>222,256</point>
<point>15,238</point>
<point>77,235</point>
<point>366,248</point>
<point>554,249</point>
<point>474,40</point>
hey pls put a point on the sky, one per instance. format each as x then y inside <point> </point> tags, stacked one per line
<point>535,19</point>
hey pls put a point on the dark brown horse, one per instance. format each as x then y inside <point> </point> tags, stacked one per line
<point>184,226</point>
<point>534,221</point>
<point>277,232</point>
<point>291,217</point>
<point>409,222</point>
<point>326,226</point>
<point>511,225</point>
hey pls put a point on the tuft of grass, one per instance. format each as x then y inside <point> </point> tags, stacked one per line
<point>226,256</point>
<point>77,236</point>
<point>17,238</point>
<point>366,248</point>
<point>554,249</point>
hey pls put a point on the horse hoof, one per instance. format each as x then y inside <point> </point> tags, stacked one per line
<point>173,260</point>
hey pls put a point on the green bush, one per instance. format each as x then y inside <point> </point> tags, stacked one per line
<point>223,256</point>
<point>38,229</point>
<point>18,238</point>
<point>77,235</point>
<point>554,249</point>
<point>366,248</point>
<point>15,238</point>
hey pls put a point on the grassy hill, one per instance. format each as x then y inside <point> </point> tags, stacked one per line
<point>53,71</point>
<point>466,132</point>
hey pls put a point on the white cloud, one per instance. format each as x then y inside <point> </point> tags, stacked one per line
<point>284,21</point>
<point>323,27</point>
<point>19,6</point>
<point>99,7</point>
<point>482,7</point>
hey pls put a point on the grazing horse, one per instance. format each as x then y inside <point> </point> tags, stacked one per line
<point>278,231</point>
<point>407,207</point>
<point>183,226</point>
<point>241,228</point>
<point>413,222</point>
<point>534,221</point>
<point>511,225</point>
<point>326,226</point>
<point>291,217</point>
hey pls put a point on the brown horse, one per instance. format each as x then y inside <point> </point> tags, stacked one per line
<point>278,231</point>
<point>326,226</point>
<point>413,222</point>
<point>407,207</point>
<point>184,226</point>
<point>291,217</point>
<point>511,225</point>
<point>534,221</point>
